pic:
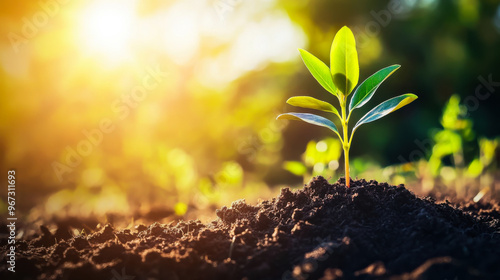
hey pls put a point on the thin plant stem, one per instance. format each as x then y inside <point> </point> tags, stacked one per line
<point>346,142</point>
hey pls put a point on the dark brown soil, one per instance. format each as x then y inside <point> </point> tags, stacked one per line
<point>369,231</point>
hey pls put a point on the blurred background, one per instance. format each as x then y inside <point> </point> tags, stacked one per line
<point>158,110</point>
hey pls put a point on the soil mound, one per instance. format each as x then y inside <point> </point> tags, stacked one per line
<point>322,231</point>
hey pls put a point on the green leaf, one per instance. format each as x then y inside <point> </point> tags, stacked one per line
<point>319,70</point>
<point>295,167</point>
<point>368,87</point>
<point>385,108</point>
<point>312,103</point>
<point>344,65</point>
<point>310,118</point>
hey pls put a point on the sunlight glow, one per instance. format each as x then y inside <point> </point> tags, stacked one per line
<point>105,28</point>
<point>187,33</point>
<point>181,32</point>
<point>254,46</point>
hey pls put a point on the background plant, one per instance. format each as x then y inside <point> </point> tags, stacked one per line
<point>454,160</point>
<point>319,158</point>
<point>460,160</point>
<point>340,80</point>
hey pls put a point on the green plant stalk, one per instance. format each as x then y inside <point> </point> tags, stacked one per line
<point>345,142</point>
<point>346,162</point>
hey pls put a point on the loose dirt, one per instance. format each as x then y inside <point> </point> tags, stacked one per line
<point>322,231</point>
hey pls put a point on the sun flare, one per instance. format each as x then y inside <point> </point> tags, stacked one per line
<point>105,28</point>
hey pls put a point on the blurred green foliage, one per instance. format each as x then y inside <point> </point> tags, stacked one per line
<point>321,158</point>
<point>460,160</point>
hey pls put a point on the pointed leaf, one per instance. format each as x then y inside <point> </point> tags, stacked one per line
<point>312,103</point>
<point>386,108</point>
<point>310,118</point>
<point>344,65</point>
<point>319,70</point>
<point>295,167</point>
<point>367,88</point>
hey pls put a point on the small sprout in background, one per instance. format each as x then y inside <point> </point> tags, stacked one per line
<point>456,158</point>
<point>320,158</point>
<point>449,147</point>
<point>295,167</point>
<point>340,79</point>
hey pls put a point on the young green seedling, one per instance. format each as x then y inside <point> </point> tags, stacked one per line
<point>340,80</point>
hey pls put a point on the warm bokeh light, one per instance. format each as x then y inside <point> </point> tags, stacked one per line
<point>106,27</point>
<point>87,63</point>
